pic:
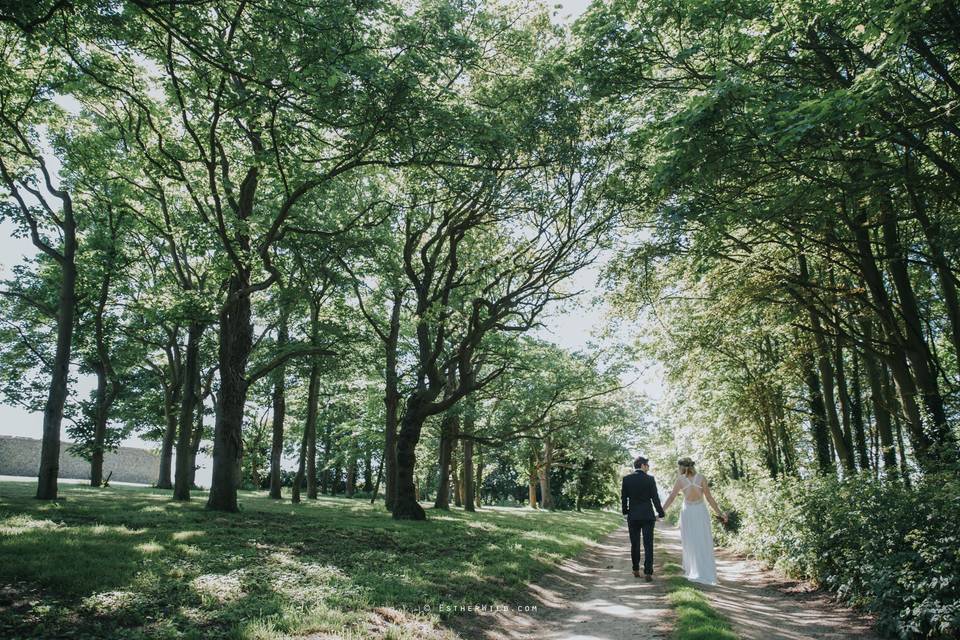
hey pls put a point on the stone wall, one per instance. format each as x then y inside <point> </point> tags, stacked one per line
<point>21,457</point>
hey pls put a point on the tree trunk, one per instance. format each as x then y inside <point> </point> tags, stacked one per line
<point>856,414</point>
<point>49,470</point>
<point>818,419</point>
<point>236,342</point>
<point>376,485</point>
<point>442,500</point>
<point>546,495</point>
<point>532,483</point>
<point>171,401</point>
<point>108,384</point>
<point>826,377</point>
<point>406,506</point>
<point>918,351</point>
<point>301,469</point>
<point>368,471</point>
<point>904,468</point>
<point>468,487</point>
<point>196,438</point>
<point>279,412</point>
<point>391,402</point>
<point>478,498</point>
<point>945,275</point>
<point>352,473</point>
<point>188,403</point>
<point>448,439</point>
<point>456,475</point>
<point>99,426</point>
<point>876,376</point>
<point>850,464</point>
<point>310,430</point>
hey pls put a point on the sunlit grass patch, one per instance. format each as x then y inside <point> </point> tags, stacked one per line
<point>181,536</point>
<point>695,619</point>
<point>15,525</point>
<point>149,547</point>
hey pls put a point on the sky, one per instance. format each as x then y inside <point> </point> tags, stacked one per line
<point>573,327</point>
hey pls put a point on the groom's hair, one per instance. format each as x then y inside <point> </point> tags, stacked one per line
<point>639,462</point>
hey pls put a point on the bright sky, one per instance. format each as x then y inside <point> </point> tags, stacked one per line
<point>572,327</point>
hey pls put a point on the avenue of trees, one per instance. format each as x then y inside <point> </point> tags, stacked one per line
<point>315,230</point>
<point>793,180</point>
<point>328,231</point>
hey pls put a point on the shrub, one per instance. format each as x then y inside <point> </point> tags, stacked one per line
<point>890,549</point>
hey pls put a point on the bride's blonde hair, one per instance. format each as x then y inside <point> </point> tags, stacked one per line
<point>686,466</point>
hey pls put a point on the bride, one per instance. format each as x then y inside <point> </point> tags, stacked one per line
<point>695,533</point>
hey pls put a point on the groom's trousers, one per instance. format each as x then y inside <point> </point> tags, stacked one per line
<point>644,529</point>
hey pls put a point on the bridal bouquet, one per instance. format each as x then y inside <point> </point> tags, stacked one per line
<point>733,521</point>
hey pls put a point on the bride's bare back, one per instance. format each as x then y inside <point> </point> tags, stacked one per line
<point>693,491</point>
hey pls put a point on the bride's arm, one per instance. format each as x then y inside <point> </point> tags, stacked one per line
<point>713,503</point>
<point>673,495</point>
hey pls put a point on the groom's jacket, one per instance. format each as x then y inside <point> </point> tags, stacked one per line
<point>639,497</point>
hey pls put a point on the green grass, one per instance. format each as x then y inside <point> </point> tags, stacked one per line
<point>130,563</point>
<point>695,618</point>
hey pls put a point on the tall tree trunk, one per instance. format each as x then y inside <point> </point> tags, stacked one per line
<point>818,419</point>
<point>313,401</point>
<point>448,438</point>
<point>49,470</point>
<point>106,392</point>
<point>845,410</point>
<point>188,402</point>
<point>546,494</point>
<point>196,438</point>
<point>352,473</point>
<point>368,471</point>
<point>442,500</point>
<point>468,487</point>
<point>856,414</point>
<point>532,479</point>
<point>376,485</point>
<point>99,426</point>
<point>171,402</point>
<point>918,351</point>
<point>279,412</point>
<point>896,359</point>
<point>826,377</point>
<point>391,402</point>
<point>945,274</point>
<point>876,376</point>
<point>236,342</point>
<point>456,475</point>
<point>406,506</point>
<point>301,469</point>
<point>478,498</point>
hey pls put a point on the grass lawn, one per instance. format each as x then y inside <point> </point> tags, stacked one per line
<point>128,562</point>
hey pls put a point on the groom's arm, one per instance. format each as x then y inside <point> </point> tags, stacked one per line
<point>623,497</point>
<point>656,499</point>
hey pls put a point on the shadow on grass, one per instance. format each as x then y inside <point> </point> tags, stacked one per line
<point>130,562</point>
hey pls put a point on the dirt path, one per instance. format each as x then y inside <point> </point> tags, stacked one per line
<point>763,605</point>
<point>595,597</point>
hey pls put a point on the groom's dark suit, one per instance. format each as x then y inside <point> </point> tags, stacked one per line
<point>638,498</point>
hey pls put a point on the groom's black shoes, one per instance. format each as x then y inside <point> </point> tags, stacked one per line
<point>636,573</point>
<point>648,577</point>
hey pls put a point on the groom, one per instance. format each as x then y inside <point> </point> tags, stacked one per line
<point>637,493</point>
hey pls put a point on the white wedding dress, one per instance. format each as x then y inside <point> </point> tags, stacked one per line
<point>696,535</point>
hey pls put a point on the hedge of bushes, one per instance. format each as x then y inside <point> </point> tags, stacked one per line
<point>893,550</point>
